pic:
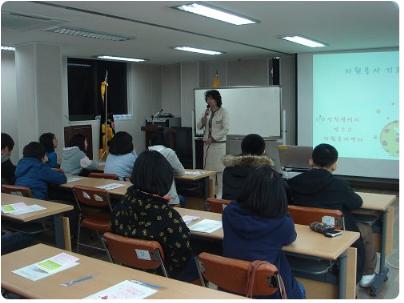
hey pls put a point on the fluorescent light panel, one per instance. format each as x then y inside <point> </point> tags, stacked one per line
<point>214,13</point>
<point>78,32</point>
<point>198,50</point>
<point>121,59</point>
<point>8,48</point>
<point>304,41</point>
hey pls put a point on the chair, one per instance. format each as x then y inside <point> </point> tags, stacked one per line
<point>94,213</point>
<point>217,205</point>
<point>306,215</point>
<point>16,190</point>
<point>314,268</point>
<point>248,278</point>
<point>135,253</point>
<point>103,176</point>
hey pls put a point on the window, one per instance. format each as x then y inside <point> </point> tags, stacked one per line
<point>84,79</point>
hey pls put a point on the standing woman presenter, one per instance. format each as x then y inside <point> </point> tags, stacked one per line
<point>215,123</point>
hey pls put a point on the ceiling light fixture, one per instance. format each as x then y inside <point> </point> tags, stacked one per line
<point>84,33</point>
<point>8,48</point>
<point>215,13</point>
<point>121,59</point>
<point>198,50</point>
<point>304,41</point>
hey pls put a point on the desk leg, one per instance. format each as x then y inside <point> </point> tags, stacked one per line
<point>59,234</point>
<point>350,273</point>
<point>381,277</point>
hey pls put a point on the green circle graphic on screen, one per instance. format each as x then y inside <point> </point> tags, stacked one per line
<point>389,138</point>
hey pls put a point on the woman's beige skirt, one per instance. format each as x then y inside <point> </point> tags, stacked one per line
<point>213,156</point>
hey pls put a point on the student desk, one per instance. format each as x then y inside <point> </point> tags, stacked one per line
<point>62,231</point>
<point>193,175</point>
<point>104,274</point>
<point>121,191</point>
<point>94,182</point>
<point>308,243</point>
<point>381,205</point>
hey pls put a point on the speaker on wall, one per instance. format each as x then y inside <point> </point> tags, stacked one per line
<point>275,71</point>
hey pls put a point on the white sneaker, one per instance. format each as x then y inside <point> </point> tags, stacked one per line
<point>367,280</point>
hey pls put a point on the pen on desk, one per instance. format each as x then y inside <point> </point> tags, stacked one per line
<point>81,279</point>
<point>146,284</point>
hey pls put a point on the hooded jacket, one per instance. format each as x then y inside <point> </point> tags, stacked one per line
<point>237,170</point>
<point>319,188</point>
<point>32,173</point>
<point>250,237</point>
<point>74,160</point>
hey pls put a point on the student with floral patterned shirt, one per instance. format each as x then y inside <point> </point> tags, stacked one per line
<point>144,213</point>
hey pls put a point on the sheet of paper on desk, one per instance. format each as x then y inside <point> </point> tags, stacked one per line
<point>33,273</point>
<point>206,226</point>
<point>125,290</point>
<point>110,186</point>
<point>73,178</point>
<point>56,262</point>
<point>20,208</point>
<point>193,173</point>
<point>188,219</point>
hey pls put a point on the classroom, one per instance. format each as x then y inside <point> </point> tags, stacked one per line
<point>214,98</point>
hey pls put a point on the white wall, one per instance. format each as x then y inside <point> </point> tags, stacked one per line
<point>189,80</point>
<point>9,100</point>
<point>242,72</point>
<point>170,89</point>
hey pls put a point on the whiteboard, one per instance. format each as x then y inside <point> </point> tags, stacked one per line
<point>252,110</point>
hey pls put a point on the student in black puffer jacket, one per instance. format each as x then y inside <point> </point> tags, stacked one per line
<point>239,167</point>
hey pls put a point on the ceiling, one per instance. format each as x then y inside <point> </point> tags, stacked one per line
<point>156,27</point>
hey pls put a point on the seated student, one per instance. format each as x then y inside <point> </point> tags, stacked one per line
<point>49,142</point>
<point>121,156</point>
<point>7,167</point>
<point>159,142</point>
<point>239,167</point>
<point>319,188</point>
<point>257,225</point>
<point>74,159</point>
<point>32,172</point>
<point>144,213</point>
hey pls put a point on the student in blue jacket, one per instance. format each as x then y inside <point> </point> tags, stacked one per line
<point>121,157</point>
<point>32,172</point>
<point>49,142</point>
<point>257,225</point>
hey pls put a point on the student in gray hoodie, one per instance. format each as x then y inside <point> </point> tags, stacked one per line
<point>74,159</point>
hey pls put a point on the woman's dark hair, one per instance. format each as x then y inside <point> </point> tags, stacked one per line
<point>7,141</point>
<point>152,173</point>
<point>214,94</point>
<point>157,138</point>
<point>78,140</point>
<point>121,144</point>
<point>166,138</point>
<point>324,155</point>
<point>253,144</point>
<point>46,140</point>
<point>264,193</point>
<point>34,150</point>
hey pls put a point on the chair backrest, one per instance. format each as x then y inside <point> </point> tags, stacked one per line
<point>217,205</point>
<point>306,215</point>
<point>135,253</point>
<point>240,276</point>
<point>103,176</point>
<point>16,190</point>
<point>91,196</point>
